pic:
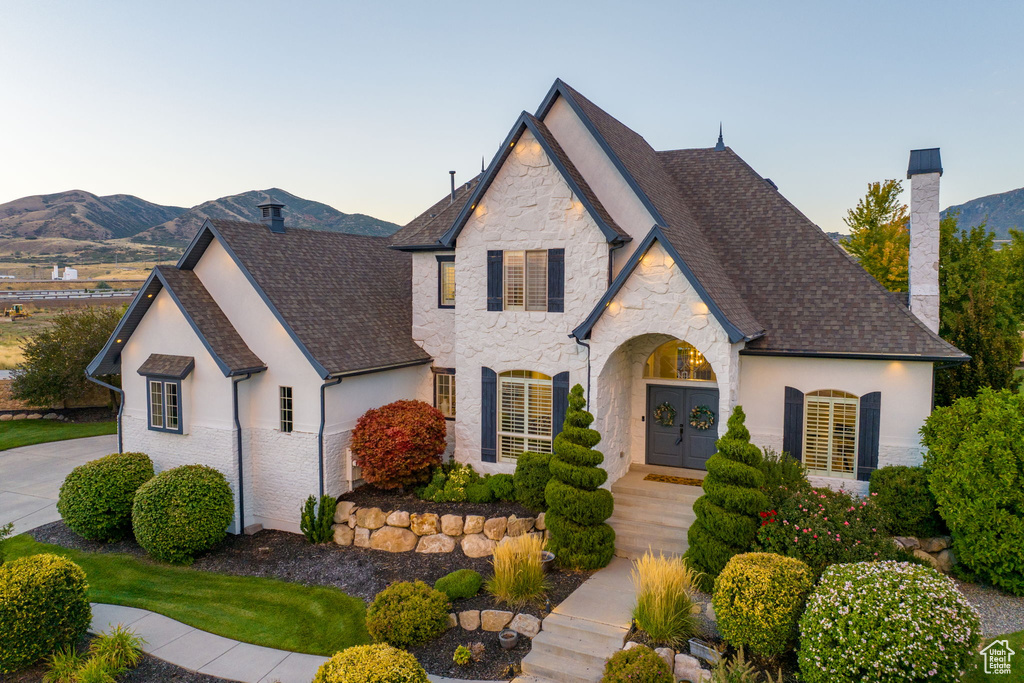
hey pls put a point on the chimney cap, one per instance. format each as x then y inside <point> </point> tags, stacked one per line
<point>924,161</point>
<point>270,201</point>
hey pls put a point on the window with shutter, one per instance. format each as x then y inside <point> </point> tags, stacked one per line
<point>524,413</point>
<point>830,433</point>
<point>526,280</point>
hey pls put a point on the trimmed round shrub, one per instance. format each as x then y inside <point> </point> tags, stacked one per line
<point>460,584</point>
<point>479,493</point>
<point>975,467</point>
<point>181,512</point>
<point>398,444</point>
<point>758,600</point>
<point>905,501</point>
<point>637,664</point>
<point>96,498</point>
<point>502,486</point>
<point>43,607</point>
<point>371,664</point>
<point>886,622</point>
<point>531,478</point>
<point>406,614</point>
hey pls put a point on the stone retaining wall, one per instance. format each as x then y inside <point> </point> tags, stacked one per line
<point>936,551</point>
<point>398,531</point>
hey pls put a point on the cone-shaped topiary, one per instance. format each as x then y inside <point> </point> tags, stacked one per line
<point>577,507</point>
<point>727,520</point>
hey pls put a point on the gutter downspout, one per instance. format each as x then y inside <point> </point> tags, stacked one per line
<point>238,437</point>
<point>120,408</point>
<point>320,435</point>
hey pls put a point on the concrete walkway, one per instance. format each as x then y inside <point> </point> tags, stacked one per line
<point>195,650</point>
<point>30,477</point>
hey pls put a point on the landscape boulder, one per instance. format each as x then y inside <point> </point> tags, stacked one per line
<point>474,524</point>
<point>668,654</point>
<point>451,525</point>
<point>342,512</point>
<point>370,518</point>
<point>936,544</point>
<point>525,625</point>
<point>362,537</point>
<point>343,534</point>
<point>517,526</point>
<point>494,528</point>
<point>494,619</point>
<point>470,619</point>
<point>435,543</point>
<point>425,524</point>
<point>477,545</point>
<point>399,518</point>
<point>393,539</point>
<point>539,524</point>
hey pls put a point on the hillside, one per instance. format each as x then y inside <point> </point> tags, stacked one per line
<point>298,212</point>
<point>81,215</point>
<point>1002,211</point>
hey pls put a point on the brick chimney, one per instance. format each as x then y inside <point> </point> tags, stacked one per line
<point>270,215</point>
<point>924,171</point>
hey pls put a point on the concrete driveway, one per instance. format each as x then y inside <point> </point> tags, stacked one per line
<point>30,477</point>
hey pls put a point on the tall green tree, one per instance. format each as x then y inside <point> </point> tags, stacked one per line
<point>879,234</point>
<point>1012,257</point>
<point>55,359</point>
<point>976,312</point>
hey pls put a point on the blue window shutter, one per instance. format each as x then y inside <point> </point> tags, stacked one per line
<point>559,401</point>
<point>489,415</point>
<point>556,281</point>
<point>793,423</point>
<point>495,264</point>
<point>867,437</point>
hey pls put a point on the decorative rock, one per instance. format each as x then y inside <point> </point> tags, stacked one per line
<point>370,518</point>
<point>494,619</point>
<point>525,625</point>
<point>908,542</point>
<point>477,545</point>
<point>51,416</point>
<point>435,543</point>
<point>474,524</point>
<point>343,511</point>
<point>5,417</point>
<point>453,620</point>
<point>425,524</point>
<point>393,540</point>
<point>352,520</point>
<point>922,555</point>
<point>451,525</point>
<point>470,619</point>
<point>687,668</point>
<point>34,416</point>
<point>666,653</point>
<point>398,518</point>
<point>519,526</point>
<point>710,613</point>
<point>539,523</point>
<point>343,534</point>
<point>934,545</point>
<point>630,645</point>
<point>362,537</point>
<point>945,559</point>
<point>697,608</point>
<point>20,416</point>
<point>494,528</point>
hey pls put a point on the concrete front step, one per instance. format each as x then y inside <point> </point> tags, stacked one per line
<point>656,512</point>
<point>646,489</point>
<point>561,669</point>
<point>576,647</point>
<point>650,529</point>
<point>598,636</point>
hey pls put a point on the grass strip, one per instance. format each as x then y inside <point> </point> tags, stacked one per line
<point>17,433</point>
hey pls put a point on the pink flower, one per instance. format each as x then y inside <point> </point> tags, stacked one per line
<point>815,535</point>
<point>846,524</point>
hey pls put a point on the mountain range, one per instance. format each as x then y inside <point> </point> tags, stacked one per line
<point>999,212</point>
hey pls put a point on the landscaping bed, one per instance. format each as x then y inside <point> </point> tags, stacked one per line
<point>370,497</point>
<point>496,663</point>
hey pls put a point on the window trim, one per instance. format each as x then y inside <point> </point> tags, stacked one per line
<point>163,381</point>
<point>849,399</point>
<point>506,377</point>
<point>281,409</point>
<point>443,262</point>
<point>445,372</point>
<point>543,275</point>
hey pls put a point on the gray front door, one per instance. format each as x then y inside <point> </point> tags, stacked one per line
<point>679,444</point>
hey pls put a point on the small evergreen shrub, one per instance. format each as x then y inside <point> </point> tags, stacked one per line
<point>636,665</point>
<point>95,500</point>
<point>784,476</point>
<point>454,483</point>
<point>43,607</point>
<point>462,655</point>
<point>519,577</point>
<point>479,493</point>
<point>738,669</point>
<point>886,622</point>
<point>906,502</point>
<point>531,478</point>
<point>406,614</point>
<point>460,584</point>
<point>317,521</point>
<point>398,444</point>
<point>975,466</point>
<point>664,599</point>
<point>502,486</point>
<point>182,512</point>
<point>758,600</point>
<point>371,664</point>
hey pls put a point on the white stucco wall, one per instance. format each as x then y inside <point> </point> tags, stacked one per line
<point>906,390</point>
<point>433,328</point>
<point>923,274</point>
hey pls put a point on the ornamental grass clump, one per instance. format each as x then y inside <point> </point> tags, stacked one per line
<point>371,664</point>
<point>519,577</point>
<point>886,622</point>
<point>664,598</point>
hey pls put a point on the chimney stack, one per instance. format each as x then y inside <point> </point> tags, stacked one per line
<point>924,171</point>
<point>452,174</point>
<point>270,215</point>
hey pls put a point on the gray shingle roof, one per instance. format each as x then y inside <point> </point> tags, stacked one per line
<point>164,365</point>
<point>426,229</point>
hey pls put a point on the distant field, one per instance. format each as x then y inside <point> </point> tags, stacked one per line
<point>14,333</point>
<point>98,271</point>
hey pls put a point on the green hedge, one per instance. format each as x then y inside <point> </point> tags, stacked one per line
<point>501,486</point>
<point>406,614</point>
<point>460,584</point>
<point>95,500</point>
<point>906,502</point>
<point>531,477</point>
<point>371,664</point>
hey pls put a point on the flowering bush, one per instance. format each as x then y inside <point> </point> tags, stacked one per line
<point>397,444</point>
<point>822,527</point>
<point>885,622</point>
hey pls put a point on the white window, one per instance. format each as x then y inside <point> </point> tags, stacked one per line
<point>286,409</point>
<point>526,280</point>
<point>524,413</point>
<point>446,273</point>
<point>444,393</point>
<point>830,432</point>
<point>165,405</point>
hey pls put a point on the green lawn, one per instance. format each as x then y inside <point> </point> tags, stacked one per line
<point>289,616</point>
<point>1016,662</point>
<point>27,432</point>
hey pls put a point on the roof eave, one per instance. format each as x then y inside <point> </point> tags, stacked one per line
<point>853,355</point>
<point>380,368</point>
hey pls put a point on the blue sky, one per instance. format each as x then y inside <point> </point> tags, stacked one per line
<point>367,106</point>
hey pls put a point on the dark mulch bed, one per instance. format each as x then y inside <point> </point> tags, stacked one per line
<point>496,663</point>
<point>388,501</point>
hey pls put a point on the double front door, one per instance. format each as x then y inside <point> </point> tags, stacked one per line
<point>679,444</point>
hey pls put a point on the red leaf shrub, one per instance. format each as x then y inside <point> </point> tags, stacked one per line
<point>398,444</point>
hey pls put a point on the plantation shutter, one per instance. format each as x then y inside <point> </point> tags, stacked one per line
<point>556,282</point>
<point>867,437</point>
<point>489,415</point>
<point>559,402</point>
<point>494,273</point>
<point>793,423</point>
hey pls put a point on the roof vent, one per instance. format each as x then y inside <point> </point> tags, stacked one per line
<point>720,146</point>
<point>270,215</point>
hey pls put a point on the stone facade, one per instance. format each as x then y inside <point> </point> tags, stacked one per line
<point>924,248</point>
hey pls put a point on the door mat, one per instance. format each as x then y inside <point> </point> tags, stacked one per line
<point>669,479</point>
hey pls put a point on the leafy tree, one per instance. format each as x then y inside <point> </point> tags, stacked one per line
<point>879,236</point>
<point>1012,257</point>
<point>976,313</point>
<point>56,358</point>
